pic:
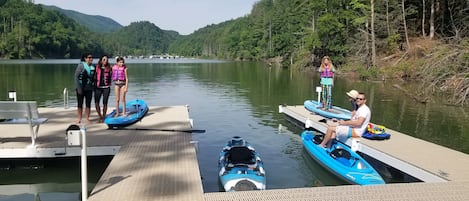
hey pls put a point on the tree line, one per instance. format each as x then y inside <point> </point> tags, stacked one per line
<point>364,34</point>
<point>360,35</point>
<point>296,29</point>
<point>30,31</point>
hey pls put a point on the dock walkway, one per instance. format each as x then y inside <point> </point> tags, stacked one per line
<point>423,160</point>
<point>154,158</point>
<point>158,161</point>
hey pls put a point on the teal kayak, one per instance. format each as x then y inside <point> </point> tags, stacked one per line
<point>334,113</point>
<point>341,160</point>
<point>135,109</point>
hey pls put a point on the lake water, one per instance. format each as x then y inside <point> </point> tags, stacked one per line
<point>240,98</point>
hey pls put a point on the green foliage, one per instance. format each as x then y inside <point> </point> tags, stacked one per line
<point>393,42</point>
<point>29,31</point>
<point>287,29</point>
<point>368,74</point>
<point>139,38</point>
<point>98,24</point>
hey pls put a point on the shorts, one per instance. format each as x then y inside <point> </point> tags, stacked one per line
<point>344,132</point>
<point>326,81</point>
<point>87,96</point>
<point>119,83</point>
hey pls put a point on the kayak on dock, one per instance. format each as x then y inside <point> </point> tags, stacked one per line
<point>340,160</point>
<point>334,113</point>
<point>135,109</point>
<point>240,167</point>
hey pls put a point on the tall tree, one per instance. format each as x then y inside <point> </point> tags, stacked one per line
<point>405,25</point>
<point>423,18</point>
<point>373,38</point>
<point>432,19</point>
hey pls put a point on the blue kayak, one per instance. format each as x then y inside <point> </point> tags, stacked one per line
<point>334,113</point>
<point>240,167</point>
<point>341,160</point>
<point>135,109</point>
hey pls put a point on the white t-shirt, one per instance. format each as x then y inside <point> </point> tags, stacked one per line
<point>362,111</point>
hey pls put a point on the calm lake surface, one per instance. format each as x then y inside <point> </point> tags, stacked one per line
<point>228,99</point>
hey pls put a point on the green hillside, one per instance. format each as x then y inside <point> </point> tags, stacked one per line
<point>95,23</point>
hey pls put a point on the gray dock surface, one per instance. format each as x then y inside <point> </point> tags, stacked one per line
<point>442,163</point>
<point>153,164</point>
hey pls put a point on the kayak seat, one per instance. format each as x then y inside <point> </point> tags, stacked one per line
<point>340,153</point>
<point>241,155</point>
<point>318,139</point>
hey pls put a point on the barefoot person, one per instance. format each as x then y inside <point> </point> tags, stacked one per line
<point>84,83</point>
<point>326,71</point>
<point>121,84</point>
<point>103,86</point>
<point>354,127</point>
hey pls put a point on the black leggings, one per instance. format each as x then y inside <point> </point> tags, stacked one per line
<point>98,92</point>
<point>88,95</point>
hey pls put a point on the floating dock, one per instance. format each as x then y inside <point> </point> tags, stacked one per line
<point>423,160</point>
<point>154,159</point>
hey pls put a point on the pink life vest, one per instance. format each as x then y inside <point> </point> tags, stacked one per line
<point>327,73</point>
<point>118,73</point>
<point>103,77</point>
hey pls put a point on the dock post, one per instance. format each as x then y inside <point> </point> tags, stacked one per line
<point>355,145</point>
<point>12,95</point>
<point>319,90</point>
<point>84,169</point>
<point>308,123</point>
<point>66,98</point>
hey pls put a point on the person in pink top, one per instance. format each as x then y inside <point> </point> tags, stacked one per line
<point>326,71</point>
<point>121,83</point>
<point>103,86</point>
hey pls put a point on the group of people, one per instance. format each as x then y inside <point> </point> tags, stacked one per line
<point>361,113</point>
<point>97,79</point>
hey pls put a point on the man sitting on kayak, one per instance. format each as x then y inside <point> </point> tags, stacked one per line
<point>354,127</point>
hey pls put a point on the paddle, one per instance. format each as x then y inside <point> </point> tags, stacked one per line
<point>159,129</point>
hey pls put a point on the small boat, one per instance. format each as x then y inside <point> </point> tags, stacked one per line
<point>334,113</point>
<point>240,167</point>
<point>135,109</point>
<point>340,160</point>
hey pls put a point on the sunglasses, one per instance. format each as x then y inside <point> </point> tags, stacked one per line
<point>360,98</point>
<point>89,57</point>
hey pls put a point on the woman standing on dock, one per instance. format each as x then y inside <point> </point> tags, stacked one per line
<point>84,83</point>
<point>121,83</point>
<point>326,71</point>
<point>103,86</point>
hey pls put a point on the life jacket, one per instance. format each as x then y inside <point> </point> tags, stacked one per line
<point>103,76</point>
<point>327,73</point>
<point>86,77</point>
<point>118,73</point>
<point>376,129</point>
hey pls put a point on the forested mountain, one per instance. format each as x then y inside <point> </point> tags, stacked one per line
<point>30,31</point>
<point>293,30</point>
<point>139,38</point>
<point>95,23</point>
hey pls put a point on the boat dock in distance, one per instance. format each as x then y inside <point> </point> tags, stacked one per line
<point>154,159</point>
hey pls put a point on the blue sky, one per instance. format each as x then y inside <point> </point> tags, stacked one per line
<point>183,16</point>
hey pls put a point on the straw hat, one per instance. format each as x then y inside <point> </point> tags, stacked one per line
<point>352,94</point>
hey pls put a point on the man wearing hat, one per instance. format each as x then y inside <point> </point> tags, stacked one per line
<point>354,127</point>
<point>352,96</point>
